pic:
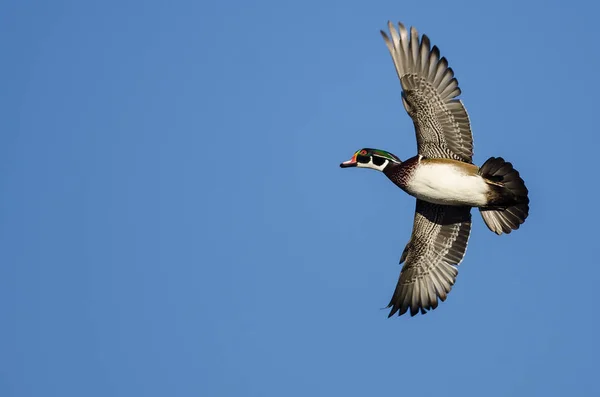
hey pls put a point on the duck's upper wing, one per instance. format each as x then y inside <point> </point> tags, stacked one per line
<point>429,91</point>
<point>436,247</point>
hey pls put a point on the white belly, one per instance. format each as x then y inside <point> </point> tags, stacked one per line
<point>445,184</point>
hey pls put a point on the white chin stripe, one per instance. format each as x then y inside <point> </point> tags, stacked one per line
<point>371,165</point>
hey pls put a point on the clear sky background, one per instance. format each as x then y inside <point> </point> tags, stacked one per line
<point>173,220</point>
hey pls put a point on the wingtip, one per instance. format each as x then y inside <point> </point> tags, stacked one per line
<point>393,309</point>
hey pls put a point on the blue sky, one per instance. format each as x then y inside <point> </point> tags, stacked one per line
<point>173,220</point>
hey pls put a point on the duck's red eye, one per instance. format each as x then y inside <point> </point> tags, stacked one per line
<point>363,152</point>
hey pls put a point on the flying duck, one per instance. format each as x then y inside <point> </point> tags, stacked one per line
<point>442,176</point>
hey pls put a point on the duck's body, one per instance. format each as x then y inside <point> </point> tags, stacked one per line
<point>441,181</point>
<point>441,176</point>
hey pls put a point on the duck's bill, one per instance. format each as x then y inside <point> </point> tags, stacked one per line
<point>349,163</point>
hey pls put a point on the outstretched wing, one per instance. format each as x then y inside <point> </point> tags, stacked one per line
<point>436,247</point>
<point>429,91</point>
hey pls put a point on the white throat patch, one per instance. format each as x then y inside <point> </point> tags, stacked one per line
<point>372,165</point>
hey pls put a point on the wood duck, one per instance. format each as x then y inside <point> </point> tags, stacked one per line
<point>441,176</point>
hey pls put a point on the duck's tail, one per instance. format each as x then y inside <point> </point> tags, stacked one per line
<point>508,201</point>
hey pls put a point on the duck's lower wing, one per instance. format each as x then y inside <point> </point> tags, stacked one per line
<point>437,246</point>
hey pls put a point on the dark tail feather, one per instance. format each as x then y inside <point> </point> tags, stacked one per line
<point>510,205</point>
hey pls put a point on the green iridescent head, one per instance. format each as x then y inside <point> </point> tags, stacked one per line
<point>371,158</point>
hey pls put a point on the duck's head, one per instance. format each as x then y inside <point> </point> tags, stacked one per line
<point>371,158</point>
